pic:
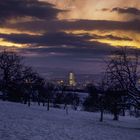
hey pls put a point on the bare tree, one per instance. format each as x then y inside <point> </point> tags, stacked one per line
<point>101,99</point>
<point>33,82</point>
<point>49,89</point>
<point>10,69</point>
<point>122,73</point>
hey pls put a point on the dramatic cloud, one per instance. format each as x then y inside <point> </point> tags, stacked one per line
<point>59,39</point>
<point>129,10</point>
<point>111,37</point>
<point>88,9</point>
<point>27,8</point>
<point>68,33</point>
<point>59,25</point>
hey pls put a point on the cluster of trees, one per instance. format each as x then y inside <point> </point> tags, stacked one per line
<point>119,89</point>
<point>17,81</point>
<point>66,98</point>
<point>20,83</point>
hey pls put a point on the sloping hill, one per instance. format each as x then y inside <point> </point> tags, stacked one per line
<point>20,122</point>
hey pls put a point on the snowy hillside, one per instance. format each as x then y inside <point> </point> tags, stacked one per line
<point>20,122</point>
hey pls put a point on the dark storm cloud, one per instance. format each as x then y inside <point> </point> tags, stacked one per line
<point>128,10</point>
<point>60,42</point>
<point>56,39</point>
<point>111,37</point>
<point>97,49</point>
<point>59,25</point>
<point>27,8</point>
<point>51,39</point>
<point>69,54</point>
<point>64,41</point>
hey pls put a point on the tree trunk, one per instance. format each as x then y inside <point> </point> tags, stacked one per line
<point>123,112</point>
<point>43,103</point>
<point>48,106</point>
<point>116,117</point>
<point>29,103</point>
<point>101,117</point>
<point>66,109</point>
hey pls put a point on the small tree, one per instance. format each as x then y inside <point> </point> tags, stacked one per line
<point>49,89</point>
<point>101,100</point>
<point>92,101</point>
<point>33,83</point>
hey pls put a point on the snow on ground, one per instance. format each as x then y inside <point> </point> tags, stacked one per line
<point>20,122</point>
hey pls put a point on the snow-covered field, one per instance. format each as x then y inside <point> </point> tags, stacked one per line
<point>20,122</point>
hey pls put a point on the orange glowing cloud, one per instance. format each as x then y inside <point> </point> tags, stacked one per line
<point>91,9</point>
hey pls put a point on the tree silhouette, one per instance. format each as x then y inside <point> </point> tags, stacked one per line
<point>122,78</point>
<point>10,71</point>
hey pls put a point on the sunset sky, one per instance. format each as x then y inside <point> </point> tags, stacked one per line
<point>63,35</point>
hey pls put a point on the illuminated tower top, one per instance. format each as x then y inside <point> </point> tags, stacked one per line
<point>72,81</point>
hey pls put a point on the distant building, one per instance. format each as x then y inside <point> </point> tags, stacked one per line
<point>72,79</point>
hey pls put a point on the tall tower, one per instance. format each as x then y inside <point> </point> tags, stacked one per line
<point>72,80</point>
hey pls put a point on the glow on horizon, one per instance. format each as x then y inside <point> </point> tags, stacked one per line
<point>10,44</point>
